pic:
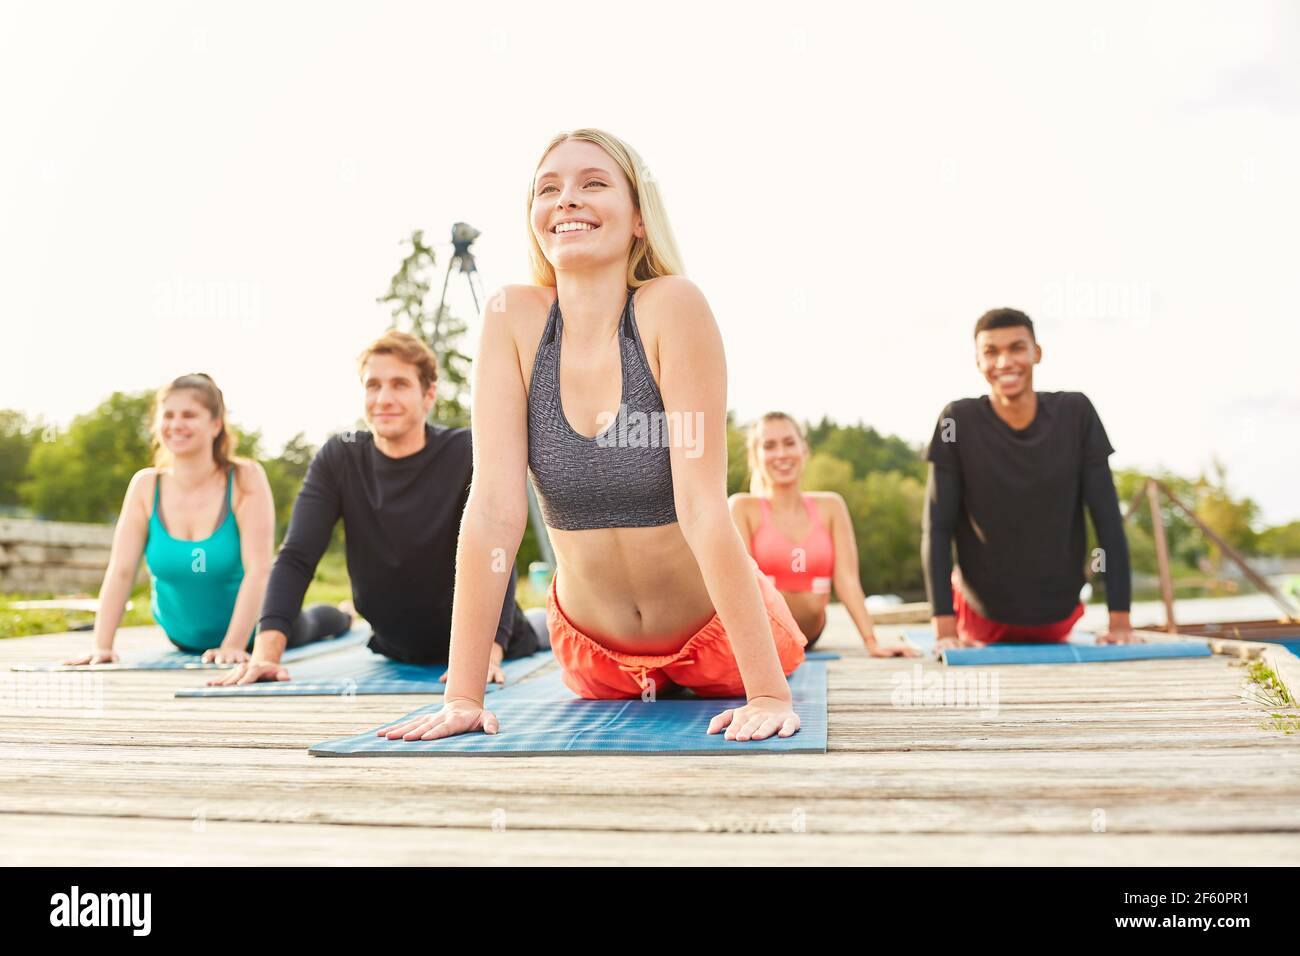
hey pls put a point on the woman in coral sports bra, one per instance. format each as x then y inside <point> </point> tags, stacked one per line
<point>795,537</point>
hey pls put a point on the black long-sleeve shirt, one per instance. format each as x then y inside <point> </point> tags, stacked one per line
<point>401,522</point>
<point>1013,501</point>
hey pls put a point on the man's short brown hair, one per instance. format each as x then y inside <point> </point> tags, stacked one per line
<point>407,348</point>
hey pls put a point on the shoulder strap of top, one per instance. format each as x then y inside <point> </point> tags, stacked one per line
<point>814,515</point>
<point>552,321</point>
<point>157,488</point>
<point>766,511</point>
<point>628,327</point>
<point>230,491</point>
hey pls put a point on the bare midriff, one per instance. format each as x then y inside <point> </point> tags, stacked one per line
<point>809,610</point>
<point>633,590</point>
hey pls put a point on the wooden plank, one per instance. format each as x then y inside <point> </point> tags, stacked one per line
<point>1173,758</point>
<point>112,841</point>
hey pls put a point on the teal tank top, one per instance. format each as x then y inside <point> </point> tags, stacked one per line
<point>194,583</point>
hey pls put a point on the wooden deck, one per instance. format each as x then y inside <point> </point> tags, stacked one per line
<point>1165,755</point>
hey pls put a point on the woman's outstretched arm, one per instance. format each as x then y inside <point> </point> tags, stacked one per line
<point>129,536</point>
<point>255,516</point>
<point>693,373</point>
<point>496,514</point>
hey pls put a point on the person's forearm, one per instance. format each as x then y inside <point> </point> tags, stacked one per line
<point>113,595</point>
<point>269,646</point>
<point>285,589</point>
<point>729,578</point>
<point>1103,504</point>
<point>943,500</point>
<point>248,604</point>
<point>477,599</point>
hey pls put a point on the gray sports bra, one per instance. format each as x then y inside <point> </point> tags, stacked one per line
<point>621,478</point>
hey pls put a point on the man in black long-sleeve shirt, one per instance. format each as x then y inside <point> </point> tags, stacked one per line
<point>400,489</point>
<point>1010,475</point>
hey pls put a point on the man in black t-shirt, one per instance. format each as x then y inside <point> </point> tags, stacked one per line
<point>1010,475</point>
<point>400,489</point>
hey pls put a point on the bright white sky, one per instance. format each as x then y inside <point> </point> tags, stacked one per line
<point>223,188</point>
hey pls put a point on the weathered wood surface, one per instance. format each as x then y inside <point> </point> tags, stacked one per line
<point>1165,758</point>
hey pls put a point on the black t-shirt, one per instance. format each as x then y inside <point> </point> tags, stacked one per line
<point>1019,527</point>
<point>401,522</point>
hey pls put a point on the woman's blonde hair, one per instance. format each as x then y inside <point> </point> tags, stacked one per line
<point>210,397</point>
<point>655,253</point>
<point>758,484</point>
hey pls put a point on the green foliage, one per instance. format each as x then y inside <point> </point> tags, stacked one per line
<point>408,291</point>
<point>885,507</point>
<point>17,438</point>
<point>737,457</point>
<point>1282,541</point>
<point>285,473</point>
<point>865,449</point>
<point>83,473</point>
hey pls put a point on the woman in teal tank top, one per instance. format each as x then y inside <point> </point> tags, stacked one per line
<point>204,522</point>
<point>194,583</point>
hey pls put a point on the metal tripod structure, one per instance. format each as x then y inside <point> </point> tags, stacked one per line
<point>462,259</point>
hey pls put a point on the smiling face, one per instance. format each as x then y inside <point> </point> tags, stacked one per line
<point>780,452</point>
<point>395,402</point>
<point>184,425</point>
<point>1006,358</point>
<point>583,211</point>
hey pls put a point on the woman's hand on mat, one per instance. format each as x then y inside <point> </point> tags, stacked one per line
<point>455,717</point>
<point>759,719</point>
<point>108,656</point>
<point>225,655</point>
<point>252,672</point>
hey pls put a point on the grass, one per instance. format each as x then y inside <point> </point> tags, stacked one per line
<point>24,623</point>
<point>1263,687</point>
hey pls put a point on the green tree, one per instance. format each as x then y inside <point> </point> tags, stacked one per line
<point>285,473</point>
<point>885,508</point>
<point>1282,541</point>
<point>737,457</point>
<point>865,449</point>
<point>408,292</point>
<point>83,473</point>
<point>1231,519</point>
<point>18,436</point>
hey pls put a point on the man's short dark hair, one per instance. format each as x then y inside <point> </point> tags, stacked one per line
<point>1004,319</point>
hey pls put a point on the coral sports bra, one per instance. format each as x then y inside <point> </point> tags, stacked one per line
<point>806,566</point>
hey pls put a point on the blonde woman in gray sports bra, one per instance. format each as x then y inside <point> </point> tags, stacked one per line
<point>626,443</point>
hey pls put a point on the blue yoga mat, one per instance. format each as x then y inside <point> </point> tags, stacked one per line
<point>181,660</point>
<point>923,638</point>
<point>1081,648</point>
<point>363,672</point>
<point>1071,653</point>
<point>542,716</point>
<point>821,656</point>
